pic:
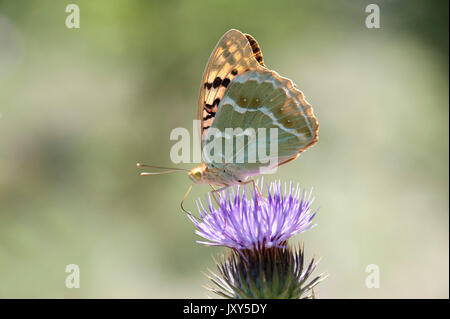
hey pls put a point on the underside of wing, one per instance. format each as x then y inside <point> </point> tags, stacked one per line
<point>262,99</point>
<point>235,54</point>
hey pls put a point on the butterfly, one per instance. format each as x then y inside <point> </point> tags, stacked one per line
<point>239,91</point>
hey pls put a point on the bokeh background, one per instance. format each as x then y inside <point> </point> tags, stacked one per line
<point>79,107</point>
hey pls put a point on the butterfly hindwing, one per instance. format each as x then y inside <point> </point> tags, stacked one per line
<point>235,54</point>
<point>263,99</point>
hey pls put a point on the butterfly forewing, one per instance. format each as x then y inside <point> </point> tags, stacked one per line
<point>239,92</point>
<point>235,54</point>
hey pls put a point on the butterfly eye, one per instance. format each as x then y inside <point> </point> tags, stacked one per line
<point>197,175</point>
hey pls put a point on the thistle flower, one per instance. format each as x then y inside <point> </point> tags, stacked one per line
<point>266,274</point>
<point>243,223</point>
<point>260,264</point>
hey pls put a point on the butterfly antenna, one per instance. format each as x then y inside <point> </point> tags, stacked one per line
<point>166,170</point>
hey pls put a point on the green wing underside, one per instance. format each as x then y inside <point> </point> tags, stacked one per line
<point>259,99</point>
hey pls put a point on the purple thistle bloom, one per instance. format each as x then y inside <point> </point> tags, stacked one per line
<point>243,223</point>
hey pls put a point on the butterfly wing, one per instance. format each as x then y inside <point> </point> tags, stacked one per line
<point>263,99</point>
<point>234,54</point>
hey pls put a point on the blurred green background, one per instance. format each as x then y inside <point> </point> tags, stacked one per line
<point>79,107</point>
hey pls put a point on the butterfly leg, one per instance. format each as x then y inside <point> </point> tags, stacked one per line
<point>215,193</point>
<point>184,198</point>
<point>255,187</point>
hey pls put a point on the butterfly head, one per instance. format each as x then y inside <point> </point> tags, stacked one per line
<point>197,173</point>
